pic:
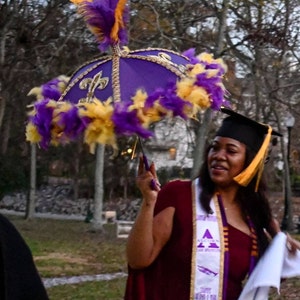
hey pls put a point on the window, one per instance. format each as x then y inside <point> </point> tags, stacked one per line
<point>172,153</point>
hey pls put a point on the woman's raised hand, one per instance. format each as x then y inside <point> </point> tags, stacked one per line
<point>147,181</point>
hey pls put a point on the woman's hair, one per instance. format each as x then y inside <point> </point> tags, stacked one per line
<point>253,204</point>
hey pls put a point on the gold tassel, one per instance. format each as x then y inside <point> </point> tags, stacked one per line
<point>257,164</point>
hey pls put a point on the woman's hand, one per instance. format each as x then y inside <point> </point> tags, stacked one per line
<point>272,230</point>
<point>292,244</point>
<point>148,236</point>
<point>147,182</point>
<point>274,227</point>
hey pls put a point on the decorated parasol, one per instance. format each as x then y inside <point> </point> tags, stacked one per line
<point>124,91</point>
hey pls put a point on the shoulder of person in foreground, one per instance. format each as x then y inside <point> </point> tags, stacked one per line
<point>19,276</point>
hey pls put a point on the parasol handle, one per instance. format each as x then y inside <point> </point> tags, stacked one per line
<point>146,164</point>
<point>147,167</point>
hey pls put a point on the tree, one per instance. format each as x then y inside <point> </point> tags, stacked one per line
<point>261,46</point>
<point>99,189</point>
<point>30,208</point>
<point>38,42</point>
<point>258,40</point>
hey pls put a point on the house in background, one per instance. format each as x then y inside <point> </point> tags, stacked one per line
<point>171,148</point>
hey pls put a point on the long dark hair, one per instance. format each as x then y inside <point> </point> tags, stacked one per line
<point>253,204</point>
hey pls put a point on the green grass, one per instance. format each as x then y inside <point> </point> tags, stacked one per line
<point>70,248</point>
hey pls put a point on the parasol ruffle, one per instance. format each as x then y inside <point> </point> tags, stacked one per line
<point>154,84</point>
<point>50,90</point>
<point>52,122</point>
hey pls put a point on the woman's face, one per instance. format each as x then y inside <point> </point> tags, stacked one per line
<point>226,159</point>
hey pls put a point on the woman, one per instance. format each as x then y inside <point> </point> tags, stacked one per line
<point>201,239</point>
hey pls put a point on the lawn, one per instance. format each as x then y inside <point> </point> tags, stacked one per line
<point>70,248</point>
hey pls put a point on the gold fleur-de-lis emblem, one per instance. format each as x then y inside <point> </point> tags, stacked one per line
<point>162,57</point>
<point>167,59</point>
<point>91,84</point>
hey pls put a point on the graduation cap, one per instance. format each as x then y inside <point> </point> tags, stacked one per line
<point>255,135</point>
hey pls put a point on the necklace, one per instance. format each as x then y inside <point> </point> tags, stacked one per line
<point>230,207</point>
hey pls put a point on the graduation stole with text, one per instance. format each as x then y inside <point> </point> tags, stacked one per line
<point>210,252</point>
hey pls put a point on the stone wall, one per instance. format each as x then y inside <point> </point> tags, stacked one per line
<point>57,199</point>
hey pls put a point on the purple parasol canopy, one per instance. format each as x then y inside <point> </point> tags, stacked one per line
<point>121,74</point>
<point>122,93</point>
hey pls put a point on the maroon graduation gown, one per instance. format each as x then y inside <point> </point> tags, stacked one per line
<point>169,277</point>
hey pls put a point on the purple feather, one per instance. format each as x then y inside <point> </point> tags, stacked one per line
<point>100,15</point>
<point>172,102</point>
<point>190,54</point>
<point>213,88</point>
<point>168,99</point>
<point>51,89</point>
<point>127,123</point>
<point>156,95</point>
<point>214,66</point>
<point>73,125</point>
<point>42,120</point>
<point>49,92</point>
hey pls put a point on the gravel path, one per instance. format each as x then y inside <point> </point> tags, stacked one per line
<point>50,282</point>
<point>290,288</point>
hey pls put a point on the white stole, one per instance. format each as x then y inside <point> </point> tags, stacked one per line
<point>207,253</point>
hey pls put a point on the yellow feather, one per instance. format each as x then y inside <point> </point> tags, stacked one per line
<point>52,103</point>
<point>32,134</point>
<point>62,106</point>
<point>101,128</point>
<point>138,100</point>
<point>36,91</point>
<point>185,87</point>
<point>197,69</point>
<point>206,57</point>
<point>153,114</point>
<point>211,73</point>
<point>118,20</point>
<point>78,2</point>
<point>147,115</point>
<point>199,97</point>
<point>63,81</point>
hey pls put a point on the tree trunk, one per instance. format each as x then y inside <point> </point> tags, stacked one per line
<point>222,28</point>
<point>2,110</point>
<point>76,169</point>
<point>5,133</point>
<point>200,143</point>
<point>32,194</point>
<point>203,129</point>
<point>98,196</point>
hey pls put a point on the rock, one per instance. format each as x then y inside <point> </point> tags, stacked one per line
<point>57,200</point>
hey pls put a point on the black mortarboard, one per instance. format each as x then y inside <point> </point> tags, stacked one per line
<point>244,129</point>
<point>255,135</point>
